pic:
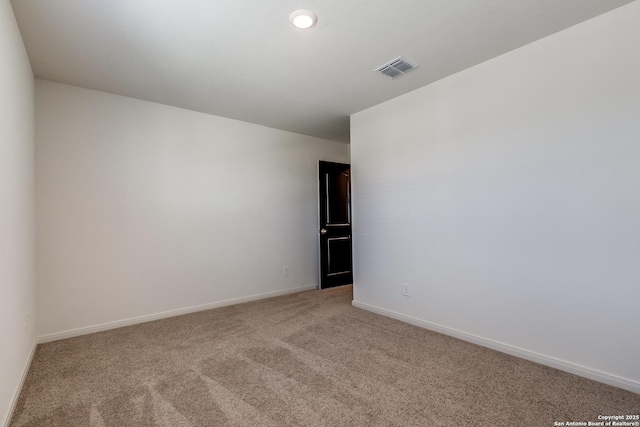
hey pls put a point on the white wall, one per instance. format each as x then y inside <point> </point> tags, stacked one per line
<point>508,197</point>
<point>17,284</point>
<point>145,208</point>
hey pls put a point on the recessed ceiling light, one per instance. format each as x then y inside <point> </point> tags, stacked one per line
<point>303,18</point>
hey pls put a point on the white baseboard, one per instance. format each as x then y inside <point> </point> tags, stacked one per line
<point>16,396</point>
<point>162,315</point>
<point>562,365</point>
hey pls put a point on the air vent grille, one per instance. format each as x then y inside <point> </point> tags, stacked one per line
<point>395,68</point>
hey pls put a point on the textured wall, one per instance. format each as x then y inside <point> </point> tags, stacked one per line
<point>507,197</point>
<point>145,208</point>
<point>17,284</point>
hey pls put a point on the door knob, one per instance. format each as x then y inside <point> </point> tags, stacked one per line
<point>323,231</point>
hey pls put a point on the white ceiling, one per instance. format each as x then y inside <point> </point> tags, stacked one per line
<point>242,59</point>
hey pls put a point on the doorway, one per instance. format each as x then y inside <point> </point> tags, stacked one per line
<point>334,230</point>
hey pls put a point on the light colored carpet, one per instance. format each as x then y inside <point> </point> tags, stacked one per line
<point>308,359</point>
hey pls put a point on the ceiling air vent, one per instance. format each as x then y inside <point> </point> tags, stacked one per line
<point>397,67</point>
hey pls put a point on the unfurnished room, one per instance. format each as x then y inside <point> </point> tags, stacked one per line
<point>319,213</point>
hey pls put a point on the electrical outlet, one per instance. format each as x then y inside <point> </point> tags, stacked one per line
<point>285,270</point>
<point>405,290</point>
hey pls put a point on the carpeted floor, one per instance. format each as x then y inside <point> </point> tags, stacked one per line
<point>308,359</point>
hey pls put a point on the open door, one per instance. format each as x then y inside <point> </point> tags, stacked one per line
<point>335,224</point>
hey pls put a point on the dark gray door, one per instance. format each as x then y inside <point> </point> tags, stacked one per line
<point>335,224</point>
